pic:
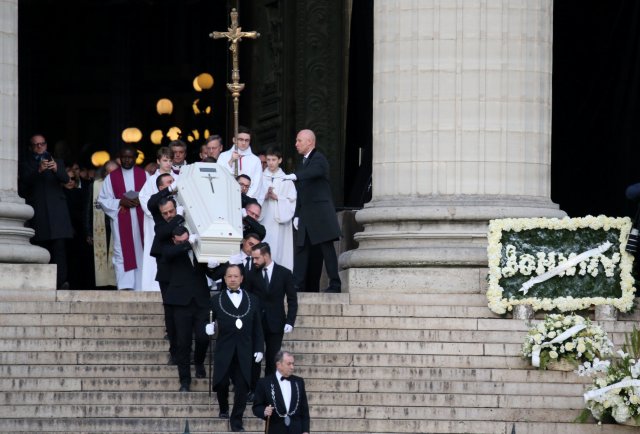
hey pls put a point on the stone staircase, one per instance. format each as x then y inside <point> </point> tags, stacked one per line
<point>95,362</point>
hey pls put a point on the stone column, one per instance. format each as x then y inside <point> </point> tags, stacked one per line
<point>15,249</point>
<point>461,135</point>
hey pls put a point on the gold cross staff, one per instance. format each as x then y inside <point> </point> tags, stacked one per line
<point>235,35</point>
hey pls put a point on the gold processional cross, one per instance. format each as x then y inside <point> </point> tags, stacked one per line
<point>235,35</point>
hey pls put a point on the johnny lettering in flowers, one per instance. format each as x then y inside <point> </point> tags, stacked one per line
<point>565,264</point>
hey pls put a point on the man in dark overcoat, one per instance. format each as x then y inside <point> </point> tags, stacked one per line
<point>41,178</point>
<point>315,214</point>
<point>239,341</point>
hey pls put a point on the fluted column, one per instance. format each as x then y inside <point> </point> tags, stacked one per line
<point>14,237</point>
<point>461,128</point>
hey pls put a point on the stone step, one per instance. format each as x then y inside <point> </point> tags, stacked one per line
<point>391,298</point>
<point>308,372</point>
<point>366,322</point>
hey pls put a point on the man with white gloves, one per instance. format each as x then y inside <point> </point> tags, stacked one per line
<point>239,343</point>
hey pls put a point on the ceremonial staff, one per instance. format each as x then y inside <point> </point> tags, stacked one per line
<point>210,359</point>
<point>235,35</point>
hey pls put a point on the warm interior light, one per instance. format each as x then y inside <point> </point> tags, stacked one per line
<point>194,106</point>
<point>164,106</point>
<point>205,81</point>
<point>196,86</point>
<point>98,158</point>
<point>156,137</point>
<point>174,133</point>
<point>140,158</point>
<point>131,135</point>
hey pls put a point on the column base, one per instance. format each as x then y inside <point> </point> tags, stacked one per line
<point>27,282</point>
<point>14,236</point>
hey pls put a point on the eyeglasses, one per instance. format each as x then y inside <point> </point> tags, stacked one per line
<point>40,144</point>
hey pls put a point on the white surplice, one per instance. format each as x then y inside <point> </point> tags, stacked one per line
<point>277,215</point>
<point>250,166</point>
<point>110,205</point>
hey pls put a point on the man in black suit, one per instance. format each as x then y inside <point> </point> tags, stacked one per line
<point>239,341</point>
<point>315,216</point>
<point>282,399</point>
<point>188,296</point>
<point>40,184</point>
<point>163,209</point>
<point>275,283</point>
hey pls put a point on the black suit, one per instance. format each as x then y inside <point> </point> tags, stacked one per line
<point>51,221</point>
<point>298,406</point>
<point>234,349</point>
<point>188,295</point>
<point>274,316</point>
<point>317,224</point>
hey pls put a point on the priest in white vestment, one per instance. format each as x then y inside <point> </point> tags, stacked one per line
<point>278,199</point>
<point>118,199</point>
<point>149,265</point>
<point>248,163</point>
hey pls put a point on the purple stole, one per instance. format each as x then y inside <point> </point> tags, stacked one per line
<point>124,216</point>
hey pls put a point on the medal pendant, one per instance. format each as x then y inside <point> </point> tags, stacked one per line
<point>239,323</point>
<point>287,420</point>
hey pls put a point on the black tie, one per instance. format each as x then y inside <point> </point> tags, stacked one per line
<point>266,278</point>
<point>234,291</point>
<point>248,265</point>
<point>284,379</point>
<point>305,161</point>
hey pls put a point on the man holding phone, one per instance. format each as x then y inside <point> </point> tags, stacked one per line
<point>40,180</point>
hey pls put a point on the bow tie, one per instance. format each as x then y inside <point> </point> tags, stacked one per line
<point>234,291</point>
<point>284,379</point>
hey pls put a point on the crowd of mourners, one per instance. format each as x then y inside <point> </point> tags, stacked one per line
<point>122,226</point>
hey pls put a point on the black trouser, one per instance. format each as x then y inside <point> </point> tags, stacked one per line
<point>58,252</point>
<point>240,390</point>
<point>301,262</point>
<point>190,320</point>
<point>169,323</point>
<point>273,343</point>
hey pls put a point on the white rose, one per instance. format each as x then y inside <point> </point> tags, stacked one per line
<point>553,354</point>
<point>551,334</point>
<point>569,346</point>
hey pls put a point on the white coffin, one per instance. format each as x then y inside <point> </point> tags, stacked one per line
<point>212,209</point>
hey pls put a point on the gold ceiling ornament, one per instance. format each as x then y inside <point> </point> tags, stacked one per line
<point>131,135</point>
<point>234,34</point>
<point>98,158</point>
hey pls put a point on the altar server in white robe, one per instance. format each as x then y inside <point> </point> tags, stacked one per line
<point>278,199</point>
<point>119,200</point>
<point>149,267</point>
<point>248,163</point>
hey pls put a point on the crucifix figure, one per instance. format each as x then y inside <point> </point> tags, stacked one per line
<point>210,178</point>
<point>235,35</point>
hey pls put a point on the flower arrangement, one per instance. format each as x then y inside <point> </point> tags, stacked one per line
<point>615,392</point>
<point>566,264</point>
<point>569,338</point>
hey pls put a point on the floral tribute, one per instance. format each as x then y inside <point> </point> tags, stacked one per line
<point>615,392</point>
<point>570,338</point>
<point>565,264</point>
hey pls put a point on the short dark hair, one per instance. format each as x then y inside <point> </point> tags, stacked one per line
<point>213,137</point>
<point>280,355</point>
<point>236,266</point>
<point>243,130</point>
<point>273,150</point>
<point>209,160</point>
<point>179,230</point>
<point>251,235</point>
<point>166,200</point>
<point>159,178</point>
<point>178,143</point>
<point>128,147</point>
<point>242,175</point>
<point>164,151</point>
<point>263,247</point>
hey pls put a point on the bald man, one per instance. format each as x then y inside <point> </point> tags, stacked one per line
<point>315,214</point>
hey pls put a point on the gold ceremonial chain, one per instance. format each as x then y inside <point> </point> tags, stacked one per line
<point>275,406</point>
<point>231,315</point>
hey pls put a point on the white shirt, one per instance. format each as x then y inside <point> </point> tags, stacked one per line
<point>285,387</point>
<point>236,299</point>
<point>250,166</point>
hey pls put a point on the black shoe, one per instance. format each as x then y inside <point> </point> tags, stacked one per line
<point>184,388</point>
<point>171,361</point>
<point>224,414</point>
<point>250,396</point>
<point>333,290</point>
<point>200,372</point>
<point>237,429</point>
<point>65,285</point>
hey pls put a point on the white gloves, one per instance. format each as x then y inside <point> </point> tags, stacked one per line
<point>212,263</point>
<point>295,223</point>
<point>244,213</point>
<point>173,186</point>
<point>288,328</point>
<point>257,357</point>
<point>210,329</point>
<point>290,177</point>
<point>193,238</point>
<point>235,260</point>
